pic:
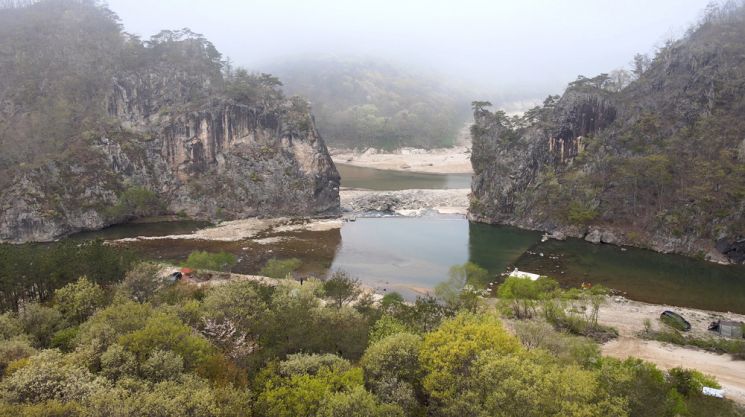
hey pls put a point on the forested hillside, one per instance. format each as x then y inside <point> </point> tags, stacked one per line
<point>141,345</point>
<point>362,103</point>
<point>98,126</point>
<point>658,162</point>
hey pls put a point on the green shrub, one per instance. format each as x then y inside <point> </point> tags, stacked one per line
<point>221,261</point>
<point>524,293</point>
<point>387,326</point>
<point>65,339</point>
<point>580,214</point>
<point>280,268</point>
<point>690,382</point>
<point>78,300</point>
<point>137,202</point>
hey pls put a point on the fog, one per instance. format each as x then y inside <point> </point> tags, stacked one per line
<point>525,49</point>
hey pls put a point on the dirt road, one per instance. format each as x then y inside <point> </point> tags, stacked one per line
<point>628,317</point>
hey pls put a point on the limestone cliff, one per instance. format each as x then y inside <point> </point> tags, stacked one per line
<point>654,163</point>
<point>164,130</point>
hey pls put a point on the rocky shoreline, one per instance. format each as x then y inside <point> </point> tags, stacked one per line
<point>405,202</point>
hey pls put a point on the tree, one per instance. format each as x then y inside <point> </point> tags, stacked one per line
<point>640,64</point>
<point>166,332</point>
<point>524,293</point>
<point>162,365</point>
<point>459,291</point>
<point>341,288</point>
<point>40,323</point>
<point>529,385</point>
<point>47,376</point>
<point>392,370</point>
<point>79,300</point>
<point>142,281</point>
<point>447,353</point>
<point>385,326</point>
<point>303,395</point>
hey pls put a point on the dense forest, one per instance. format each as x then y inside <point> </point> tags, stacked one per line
<point>135,343</point>
<point>361,103</point>
<point>653,157</point>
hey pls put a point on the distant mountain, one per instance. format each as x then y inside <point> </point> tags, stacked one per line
<point>658,163</point>
<point>367,103</point>
<point>98,127</point>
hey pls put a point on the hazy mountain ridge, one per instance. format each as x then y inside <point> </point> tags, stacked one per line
<point>658,164</point>
<point>98,127</point>
<point>361,102</point>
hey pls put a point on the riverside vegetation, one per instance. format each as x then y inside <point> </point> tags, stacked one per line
<point>135,344</point>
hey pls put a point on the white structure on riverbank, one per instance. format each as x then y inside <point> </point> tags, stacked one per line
<point>522,274</point>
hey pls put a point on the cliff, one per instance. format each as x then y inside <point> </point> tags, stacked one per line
<point>163,127</point>
<point>655,162</point>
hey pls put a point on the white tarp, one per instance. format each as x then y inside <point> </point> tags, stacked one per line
<point>522,274</point>
<point>713,392</point>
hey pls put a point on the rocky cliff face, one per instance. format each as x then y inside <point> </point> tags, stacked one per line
<point>654,164</point>
<point>226,161</point>
<point>164,129</point>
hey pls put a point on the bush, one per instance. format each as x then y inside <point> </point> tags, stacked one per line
<point>524,294</point>
<point>117,362</point>
<point>166,332</point>
<point>65,339</point>
<point>387,326</point>
<point>566,348</point>
<point>734,347</point>
<point>221,261</point>
<point>48,377</point>
<point>40,323</point>
<point>78,300</point>
<point>357,403</point>
<point>10,326</point>
<point>162,365</point>
<point>280,268</point>
<point>690,382</point>
<point>312,364</point>
<point>137,202</point>
<point>12,350</point>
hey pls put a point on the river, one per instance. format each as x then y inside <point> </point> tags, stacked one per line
<point>411,255</point>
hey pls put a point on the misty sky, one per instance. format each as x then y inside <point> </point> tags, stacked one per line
<point>533,47</point>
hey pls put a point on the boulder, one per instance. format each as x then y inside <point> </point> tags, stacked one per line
<point>594,236</point>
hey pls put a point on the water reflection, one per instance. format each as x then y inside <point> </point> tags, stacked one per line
<point>643,275</point>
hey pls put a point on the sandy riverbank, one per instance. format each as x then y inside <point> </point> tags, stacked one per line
<point>455,160</point>
<point>628,317</point>
<point>237,230</point>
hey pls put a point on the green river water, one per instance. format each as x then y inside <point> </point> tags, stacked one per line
<point>412,255</point>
